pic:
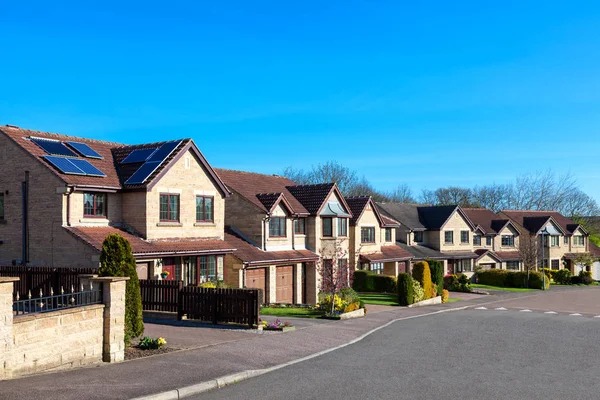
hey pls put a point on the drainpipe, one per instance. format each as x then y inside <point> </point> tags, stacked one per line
<point>265,231</point>
<point>69,193</point>
<point>293,234</point>
<point>25,220</point>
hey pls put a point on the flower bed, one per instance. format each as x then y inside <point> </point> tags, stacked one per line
<point>278,326</point>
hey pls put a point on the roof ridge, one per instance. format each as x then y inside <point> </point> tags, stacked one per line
<point>184,140</point>
<point>30,132</point>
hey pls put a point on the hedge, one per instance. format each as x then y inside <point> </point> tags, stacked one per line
<point>422,274</point>
<point>367,281</point>
<point>405,289</point>
<point>516,279</point>
<point>437,275</point>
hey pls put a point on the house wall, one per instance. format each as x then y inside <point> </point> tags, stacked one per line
<point>113,210</point>
<point>233,266</point>
<point>367,219</point>
<point>281,243</point>
<point>455,223</point>
<point>488,260</point>
<point>134,211</point>
<point>508,230</point>
<point>188,179</point>
<point>245,217</point>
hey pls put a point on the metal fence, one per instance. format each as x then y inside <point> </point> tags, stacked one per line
<point>45,279</point>
<point>54,302</point>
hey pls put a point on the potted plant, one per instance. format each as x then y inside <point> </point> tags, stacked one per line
<point>165,274</point>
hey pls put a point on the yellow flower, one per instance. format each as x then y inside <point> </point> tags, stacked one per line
<point>161,341</point>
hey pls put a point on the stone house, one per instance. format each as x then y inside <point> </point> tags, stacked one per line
<point>282,232</point>
<point>373,239</point>
<point>563,239</point>
<point>62,195</point>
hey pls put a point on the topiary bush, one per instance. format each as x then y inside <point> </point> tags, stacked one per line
<point>535,280</point>
<point>492,277</point>
<point>445,295</point>
<point>360,281</point>
<point>419,294</point>
<point>405,289</point>
<point>367,281</point>
<point>116,259</point>
<point>422,274</point>
<point>563,276</point>
<point>585,277</point>
<point>437,275</point>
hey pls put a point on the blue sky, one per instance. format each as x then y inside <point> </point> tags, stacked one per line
<point>432,94</point>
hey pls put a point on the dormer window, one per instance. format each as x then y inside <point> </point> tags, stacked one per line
<point>578,241</point>
<point>327,227</point>
<point>277,227</point>
<point>477,240</point>
<point>300,226</point>
<point>508,241</point>
<point>94,205</point>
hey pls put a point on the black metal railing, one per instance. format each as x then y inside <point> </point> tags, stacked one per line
<point>54,302</point>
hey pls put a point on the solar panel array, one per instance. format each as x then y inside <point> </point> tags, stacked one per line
<point>137,156</point>
<point>53,147</point>
<point>73,166</point>
<point>153,161</point>
<point>84,150</point>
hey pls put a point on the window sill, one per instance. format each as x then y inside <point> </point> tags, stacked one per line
<point>278,238</point>
<point>172,224</point>
<point>211,224</point>
<point>101,220</point>
<point>300,234</point>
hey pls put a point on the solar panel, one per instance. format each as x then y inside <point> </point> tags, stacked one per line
<point>137,156</point>
<point>64,165</point>
<point>164,151</point>
<point>143,173</point>
<point>53,147</point>
<point>84,150</point>
<point>86,167</point>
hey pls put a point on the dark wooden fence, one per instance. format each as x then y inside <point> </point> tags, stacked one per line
<point>35,279</point>
<point>238,306</point>
<point>160,295</point>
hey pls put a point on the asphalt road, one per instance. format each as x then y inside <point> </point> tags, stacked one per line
<point>473,354</point>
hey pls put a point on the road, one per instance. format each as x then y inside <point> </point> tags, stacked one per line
<point>472,354</point>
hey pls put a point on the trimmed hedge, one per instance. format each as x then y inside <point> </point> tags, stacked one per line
<point>422,274</point>
<point>515,279</point>
<point>437,275</point>
<point>405,289</point>
<point>367,281</point>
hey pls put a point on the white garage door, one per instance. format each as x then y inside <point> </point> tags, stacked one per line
<point>596,270</point>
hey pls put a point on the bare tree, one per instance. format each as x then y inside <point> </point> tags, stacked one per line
<point>530,251</point>
<point>492,196</point>
<point>449,196</point>
<point>401,194</point>
<point>334,270</point>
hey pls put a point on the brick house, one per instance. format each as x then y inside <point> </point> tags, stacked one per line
<point>564,238</point>
<point>443,233</point>
<point>373,239</point>
<point>163,197</point>
<point>281,230</point>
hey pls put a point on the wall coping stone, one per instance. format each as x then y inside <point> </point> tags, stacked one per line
<point>6,279</point>
<point>32,317</point>
<point>110,279</point>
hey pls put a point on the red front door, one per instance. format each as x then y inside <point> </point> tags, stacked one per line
<point>169,265</point>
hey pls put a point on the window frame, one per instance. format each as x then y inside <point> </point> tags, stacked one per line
<point>367,229</point>
<point>552,241</point>
<point>330,223</point>
<point>510,239</point>
<point>169,211</point>
<point>446,241</point>
<point>95,213</point>
<point>212,208</point>
<point>388,235</point>
<point>488,240</point>
<point>378,270</point>
<point>418,239</point>
<point>279,227</point>
<point>510,265</point>
<point>566,240</point>
<point>555,262</point>
<point>462,239</point>
<point>203,265</point>
<point>343,222</point>
<point>297,231</point>
<point>476,240</point>
<point>575,241</point>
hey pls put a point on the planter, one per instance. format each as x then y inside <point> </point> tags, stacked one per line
<point>164,276</point>
<point>349,315</point>
<point>282,329</point>
<point>428,302</point>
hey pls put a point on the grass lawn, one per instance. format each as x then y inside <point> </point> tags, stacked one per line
<point>505,289</point>
<point>453,300</point>
<point>291,312</point>
<point>380,299</point>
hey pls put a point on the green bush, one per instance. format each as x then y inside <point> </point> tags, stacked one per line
<point>422,274</point>
<point>349,295</point>
<point>563,276</point>
<point>419,293</point>
<point>449,281</point>
<point>405,289</point>
<point>437,275</point>
<point>515,279</point>
<point>367,281</point>
<point>116,259</point>
<point>535,280</point>
<point>492,277</point>
<point>384,283</point>
<point>551,273</point>
<point>585,277</point>
<point>361,280</point>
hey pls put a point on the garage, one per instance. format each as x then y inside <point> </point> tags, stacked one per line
<point>596,271</point>
<point>285,284</point>
<point>255,279</point>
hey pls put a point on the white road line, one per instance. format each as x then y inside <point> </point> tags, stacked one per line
<point>575,315</point>
<point>597,316</point>
<point>525,310</point>
<point>485,308</point>
<point>550,312</point>
<point>500,309</point>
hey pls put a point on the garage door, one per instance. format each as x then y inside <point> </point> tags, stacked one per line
<point>285,284</point>
<point>255,279</point>
<point>596,271</point>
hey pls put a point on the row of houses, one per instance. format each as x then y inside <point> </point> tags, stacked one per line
<point>60,196</point>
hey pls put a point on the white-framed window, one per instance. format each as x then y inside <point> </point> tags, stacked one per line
<point>554,241</point>
<point>464,237</point>
<point>463,265</point>
<point>555,264</point>
<point>578,241</point>
<point>566,241</point>
<point>477,240</point>
<point>512,265</point>
<point>342,226</point>
<point>508,241</point>
<point>367,235</point>
<point>449,237</point>
<point>388,234</point>
<point>377,268</point>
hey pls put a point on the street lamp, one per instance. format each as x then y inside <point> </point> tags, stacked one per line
<point>544,233</point>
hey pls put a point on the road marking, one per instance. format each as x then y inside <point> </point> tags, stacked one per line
<point>485,308</point>
<point>575,315</point>
<point>550,312</point>
<point>500,309</point>
<point>525,310</point>
<point>597,316</point>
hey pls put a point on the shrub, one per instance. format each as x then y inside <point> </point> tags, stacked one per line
<point>422,274</point>
<point>492,277</point>
<point>563,276</point>
<point>437,275</point>
<point>405,289</point>
<point>367,281</point>
<point>535,280</point>
<point>384,283</point>
<point>551,273</point>
<point>352,307</point>
<point>147,343</point>
<point>419,294</point>
<point>449,281</point>
<point>349,295</point>
<point>116,259</point>
<point>445,296</point>
<point>208,285</point>
<point>360,282</point>
<point>586,277</point>
<point>325,302</point>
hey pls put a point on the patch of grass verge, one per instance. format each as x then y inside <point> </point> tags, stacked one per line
<point>453,300</point>
<point>291,312</point>
<point>380,299</point>
<point>505,289</point>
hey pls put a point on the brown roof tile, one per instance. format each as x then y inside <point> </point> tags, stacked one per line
<point>94,236</point>
<point>387,254</point>
<point>312,197</point>
<point>533,220</point>
<point>488,221</point>
<point>251,254</point>
<point>508,255</point>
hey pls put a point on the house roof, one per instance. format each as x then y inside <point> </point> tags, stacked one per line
<point>357,206</point>
<point>508,255</point>
<point>313,197</point>
<point>434,217</point>
<point>486,220</point>
<point>594,250</point>
<point>483,252</point>
<point>260,189</point>
<point>534,220</point>
<point>94,236</point>
<point>406,214</point>
<point>110,163</point>
<point>420,252</point>
<point>252,255</point>
<point>387,254</point>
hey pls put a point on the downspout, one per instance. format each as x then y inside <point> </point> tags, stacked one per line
<point>265,230</point>
<point>25,220</point>
<point>69,193</point>
<point>294,232</point>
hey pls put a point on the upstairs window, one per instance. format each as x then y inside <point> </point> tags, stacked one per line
<point>204,208</point>
<point>508,241</point>
<point>464,237</point>
<point>419,237</point>
<point>449,237</point>
<point>342,227</point>
<point>300,226</point>
<point>477,240</point>
<point>488,240</point>
<point>388,234</point>
<point>327,227</point>
<point>554,241</point>
<point>1,206</point>
<point>94,205</point>
<point>367,235</point>
<point>566,240</point>
<point>277,227</point>
<point>578,240</point>
<point>169,207</point>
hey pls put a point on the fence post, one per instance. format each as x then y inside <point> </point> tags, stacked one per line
<point>6,326</point>
<point>215,303</point>
<point>179,304</point>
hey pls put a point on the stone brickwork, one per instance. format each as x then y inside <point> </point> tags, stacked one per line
<point>60,339</point>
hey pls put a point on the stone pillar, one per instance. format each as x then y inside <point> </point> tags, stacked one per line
<point>297,284</point>
<point>271,295</point>
<point>6,326</point>
<point>113,297</point>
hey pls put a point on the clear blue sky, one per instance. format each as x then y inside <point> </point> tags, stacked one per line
<point>443,93</point>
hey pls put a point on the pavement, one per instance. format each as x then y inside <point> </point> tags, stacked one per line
<point>210,353</point>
